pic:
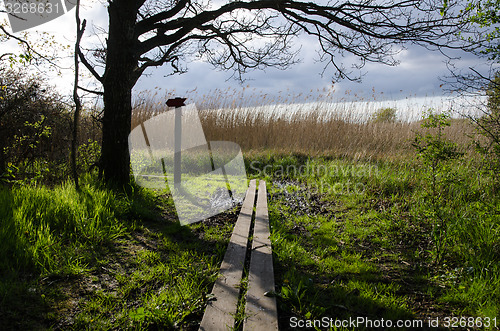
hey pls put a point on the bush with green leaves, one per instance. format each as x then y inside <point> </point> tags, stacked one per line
<point>35,130</point>
<point>385,115</point>
<point>34,124</point>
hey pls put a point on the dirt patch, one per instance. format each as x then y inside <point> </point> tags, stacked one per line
<point>300,199</point>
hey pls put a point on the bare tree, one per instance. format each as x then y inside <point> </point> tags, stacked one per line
<point>80,29</point>
<point>246,35</point>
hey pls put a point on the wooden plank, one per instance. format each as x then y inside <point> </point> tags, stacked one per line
<point>260,311</point>
<point>220,312</point>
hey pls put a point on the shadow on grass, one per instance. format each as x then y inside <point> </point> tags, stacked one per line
<point>21,306</point>
<point>113,278</point>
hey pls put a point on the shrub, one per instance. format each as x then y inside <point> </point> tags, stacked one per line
<point>32,118</point>
<point>35,130</point>
<point>384,115</point>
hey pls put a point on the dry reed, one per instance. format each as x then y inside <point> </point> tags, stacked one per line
<point>292,128</point>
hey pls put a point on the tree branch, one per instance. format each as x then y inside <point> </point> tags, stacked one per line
<point>90,91</point>
<point>29,48</point>
<point>89,67</point>
<point>368,30</point>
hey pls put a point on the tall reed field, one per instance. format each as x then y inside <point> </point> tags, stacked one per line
<point>343,129</point>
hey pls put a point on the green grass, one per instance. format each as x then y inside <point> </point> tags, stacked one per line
<point>350,238</point>
<point>98,259</point>
<point>37,222</point>
<point>356,239</point>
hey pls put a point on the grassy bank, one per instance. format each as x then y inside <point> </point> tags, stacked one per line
<point>360,239</point>
<point>98,259</point>
<point>350,239</point>
<point>294,128</point>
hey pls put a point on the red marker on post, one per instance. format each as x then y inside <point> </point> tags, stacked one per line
<point>177,103</point>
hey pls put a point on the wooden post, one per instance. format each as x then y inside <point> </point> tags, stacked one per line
<point>177,103</point>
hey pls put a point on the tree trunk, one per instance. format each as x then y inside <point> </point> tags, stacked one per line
<point>121,64</point>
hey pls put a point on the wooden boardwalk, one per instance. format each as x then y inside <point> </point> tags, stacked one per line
<point>260,310</point>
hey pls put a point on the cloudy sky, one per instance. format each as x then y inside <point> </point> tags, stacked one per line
<point>418,73</point>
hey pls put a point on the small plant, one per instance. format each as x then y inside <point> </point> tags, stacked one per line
<point>296,295</point>
<point>384,115</point>
<point>436,151</point>
<point>139,315</point>
<point>9,173</point>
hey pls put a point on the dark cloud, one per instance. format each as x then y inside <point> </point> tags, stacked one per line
<point>418,74</point>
